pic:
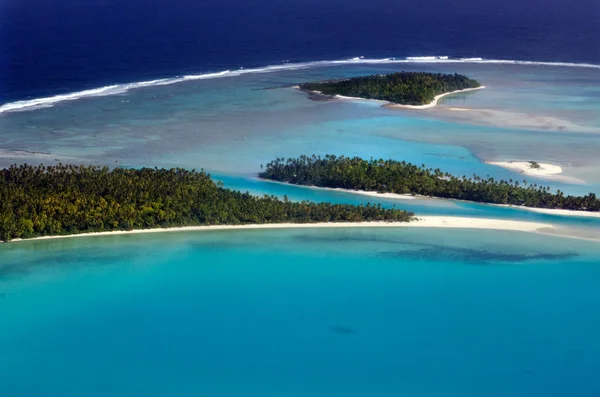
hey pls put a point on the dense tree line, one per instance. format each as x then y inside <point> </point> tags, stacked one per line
<point>68,199</point>
<point>406,88</point>
<point>405,178</point>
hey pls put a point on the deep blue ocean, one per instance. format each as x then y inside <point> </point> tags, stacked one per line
<point>58,46</point>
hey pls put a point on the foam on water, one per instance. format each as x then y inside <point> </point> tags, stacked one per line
<point>117,89</point>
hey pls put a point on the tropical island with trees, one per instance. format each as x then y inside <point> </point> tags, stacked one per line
<point>403,88</point>
<point>66,200</point>
<point>69,199</point>
<point>400,177</point>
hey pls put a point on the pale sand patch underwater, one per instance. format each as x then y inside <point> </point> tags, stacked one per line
<point>449,222</point>
<point>9,157</point>
<point>511,120</point>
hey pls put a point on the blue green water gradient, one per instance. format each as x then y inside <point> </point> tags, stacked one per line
<point>311,312</point>
<point>233,125</point>
<point>301,313</point>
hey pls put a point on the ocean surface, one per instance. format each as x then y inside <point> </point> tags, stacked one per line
<point>349,312</point>
<point>50,47</point>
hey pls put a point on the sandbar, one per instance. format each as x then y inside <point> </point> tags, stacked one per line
<point>549,211</point>
<point>369,193</point>
<point>525,167</point>
<point>545,171</point>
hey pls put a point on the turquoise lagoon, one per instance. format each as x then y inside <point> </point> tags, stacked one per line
<point>233,124</point>
<point>347,312</point>
<point>312,312</point>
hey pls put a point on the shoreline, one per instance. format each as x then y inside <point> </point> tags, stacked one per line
<point>444,222</point>
<point>434,102</point>
<point>408,196</point>
<point>545,170</point>
<point>560,212</point>
<point>369,193</point>
<point>391,105</point>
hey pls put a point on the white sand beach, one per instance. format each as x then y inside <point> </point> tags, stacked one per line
<point>583,214</point>
<point>421,221</point>
<point>526,168</point>
<point>352,98</point>
<point>545,171</point>
<point>388,104</point>
<point>395,196</point>
<point>434,102</point>
<point>373,193</point>
<point>586,214</point>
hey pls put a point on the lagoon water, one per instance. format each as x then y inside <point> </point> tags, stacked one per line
<point>233,124</point>
<point>349,312</point>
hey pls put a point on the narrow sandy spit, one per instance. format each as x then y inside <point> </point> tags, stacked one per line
<point>435,100</point>
<point>362,192</point>
<point>370,193</point>
<point>422,221</point>
<point>548,211</point>
<point>392,105</point>
<point>545,171</point>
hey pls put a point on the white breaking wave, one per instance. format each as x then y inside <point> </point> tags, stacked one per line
<point>427,59</point>
<point>116,89</point>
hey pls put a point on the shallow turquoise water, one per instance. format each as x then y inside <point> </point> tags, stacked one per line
<point>232,125</point>
<point>308,312</point>
<point>419,206</point>
<point>312,312</point>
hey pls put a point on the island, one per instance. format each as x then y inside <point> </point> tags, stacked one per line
<point>69,199</point>
<point>408,89</point>
<point>532,168</point>
<point>400,177</point>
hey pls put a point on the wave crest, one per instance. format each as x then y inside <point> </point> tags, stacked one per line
<point>116,89</point>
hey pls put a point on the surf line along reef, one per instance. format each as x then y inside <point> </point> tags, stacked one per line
<point>416,90</point>
<point>390,176</point>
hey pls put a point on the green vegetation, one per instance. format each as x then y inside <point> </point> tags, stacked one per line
<point>406,88</point>
<point>534,165</point>
<point>402,178</point>
<point>67,199</point>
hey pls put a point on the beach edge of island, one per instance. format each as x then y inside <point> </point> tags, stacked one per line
<point>432,103</point>
<point>392,105</point>
<point>446,222</point>
<point>409,196</point>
